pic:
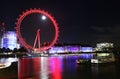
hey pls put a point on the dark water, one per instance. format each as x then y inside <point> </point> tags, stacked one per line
<point>60,67</point>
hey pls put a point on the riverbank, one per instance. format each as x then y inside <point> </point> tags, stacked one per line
<point>12,55</point>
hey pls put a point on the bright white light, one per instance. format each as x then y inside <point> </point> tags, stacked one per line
<point>43,17</point>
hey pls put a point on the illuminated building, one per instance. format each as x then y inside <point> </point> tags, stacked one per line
<point>103,46</point>
<point>57,50</point>
<point>70,49</point>
<point>2,30</point>
<point>9,40</point>
<point>64,49</point>
<point>86,49</point>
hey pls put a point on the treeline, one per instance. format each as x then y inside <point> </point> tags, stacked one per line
<point>15,50</point>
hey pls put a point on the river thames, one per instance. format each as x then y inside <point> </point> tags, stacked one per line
<point>56,67</point>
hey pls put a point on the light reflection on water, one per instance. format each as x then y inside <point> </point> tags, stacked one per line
<point>8,68</point>
<point>6,62</point>
<point>61,67</point>
<point>40,68</point>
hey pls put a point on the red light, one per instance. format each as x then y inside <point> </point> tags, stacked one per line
<point>24,43</point>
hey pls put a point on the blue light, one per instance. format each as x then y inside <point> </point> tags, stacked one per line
<point>86,49</point>
<point>9,40</point>
<point>57,50</point>
<point>86,56</point>
<point>72,48</point>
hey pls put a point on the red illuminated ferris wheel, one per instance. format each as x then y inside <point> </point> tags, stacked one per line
<point>37,30</point>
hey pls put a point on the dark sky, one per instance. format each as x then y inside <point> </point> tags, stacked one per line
<point>80,21</point>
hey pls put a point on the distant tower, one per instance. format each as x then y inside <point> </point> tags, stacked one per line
<point>2,30</point>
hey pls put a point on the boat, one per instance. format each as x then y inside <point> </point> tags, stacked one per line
<point>101,58</point>
<point>83,61</point>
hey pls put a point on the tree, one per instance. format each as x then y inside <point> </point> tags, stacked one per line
<point>22,49</point>
<point>8,50</point>
<point>15,50</point>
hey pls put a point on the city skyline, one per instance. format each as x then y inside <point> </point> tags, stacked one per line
<point>86,22</point>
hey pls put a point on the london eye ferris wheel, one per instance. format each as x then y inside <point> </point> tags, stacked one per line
<point>37,30</point>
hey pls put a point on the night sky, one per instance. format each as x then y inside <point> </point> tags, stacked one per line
<point>80,21</point>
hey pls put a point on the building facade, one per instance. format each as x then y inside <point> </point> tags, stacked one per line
<point>9,40</point>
